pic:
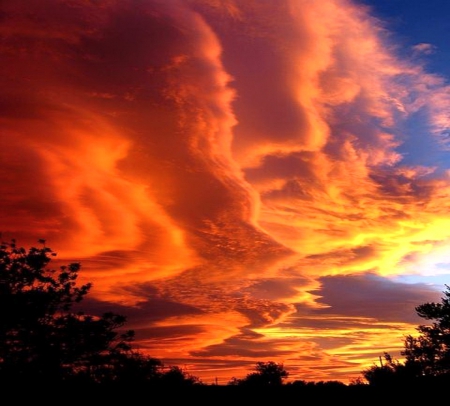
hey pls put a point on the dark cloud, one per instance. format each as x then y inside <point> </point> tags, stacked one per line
<point>372,296</point>
<point>244,346</point>
<point>153,309</point>
<point>273,289</point>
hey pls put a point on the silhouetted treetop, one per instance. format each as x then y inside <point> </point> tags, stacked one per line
<point>427,356</point>
<point>266,374</point>
<point>43,340</point>
<point>430,351</point>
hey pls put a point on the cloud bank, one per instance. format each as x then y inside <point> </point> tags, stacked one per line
<point>243,179</point>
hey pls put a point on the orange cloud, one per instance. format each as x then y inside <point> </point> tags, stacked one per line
<point>222,168</point>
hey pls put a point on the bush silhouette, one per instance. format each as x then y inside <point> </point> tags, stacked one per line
<point>270,374</point>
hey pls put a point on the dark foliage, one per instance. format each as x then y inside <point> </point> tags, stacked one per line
<point>266,374</point>
<point>430,351</point>
<point>427,356</point>
<point>42,338</point>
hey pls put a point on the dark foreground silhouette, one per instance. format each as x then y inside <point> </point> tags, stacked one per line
<point>230,395</point>
<point>47,348</point>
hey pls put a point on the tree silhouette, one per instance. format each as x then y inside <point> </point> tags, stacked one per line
<point>430,351</point>
<point>40,336</point>
<point>426,356</point>
<point>176,377</point>
<point>42,339</point>
<point>390,373</point>
<point>266,374</point>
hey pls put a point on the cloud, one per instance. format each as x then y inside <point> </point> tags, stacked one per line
<point>232,175</point>
<point>374,297</point>
<point>424,48</point>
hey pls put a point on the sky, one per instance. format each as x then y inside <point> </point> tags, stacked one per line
<point>244,180</point>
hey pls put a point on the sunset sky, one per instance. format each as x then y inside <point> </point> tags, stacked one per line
<point>245,180</point>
